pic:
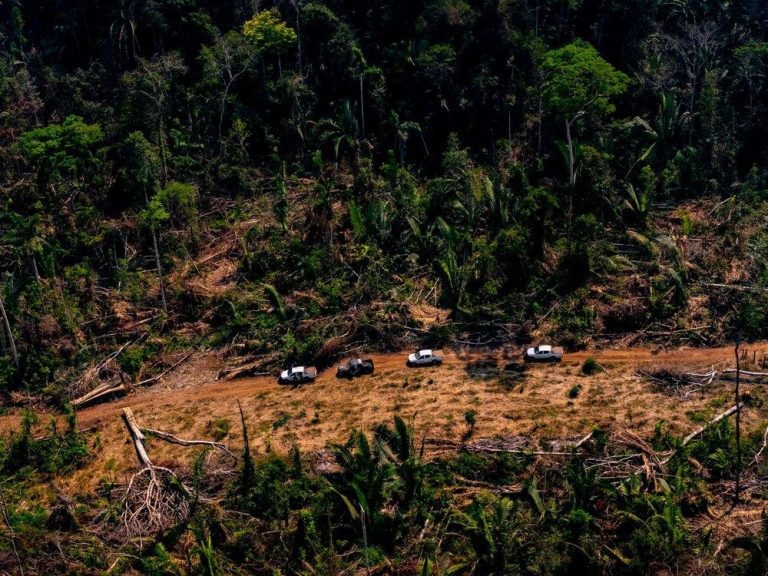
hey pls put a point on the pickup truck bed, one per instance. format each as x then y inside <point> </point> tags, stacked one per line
<point>544,353</point>
<point>297,376</point>
<point>355,367</point>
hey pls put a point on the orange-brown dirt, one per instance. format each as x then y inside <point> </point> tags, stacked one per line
<point>190,403</point>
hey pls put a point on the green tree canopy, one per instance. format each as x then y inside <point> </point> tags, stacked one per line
<point>269,34</point>
<point>61,150</point>
<point>580,81</point>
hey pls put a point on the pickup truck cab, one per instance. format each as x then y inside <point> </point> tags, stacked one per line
<point>355,367</point>
<point>544,353</point>
<point>297,375</point>
<point>424,358</point>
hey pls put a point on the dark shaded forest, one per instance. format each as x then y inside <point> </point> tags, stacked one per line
<point>290,181</point>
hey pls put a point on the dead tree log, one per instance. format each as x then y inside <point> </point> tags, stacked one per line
<point>715,420</point>
<point>246,371</point>
<point>99,392</point>
<point>744,372</point>
<point>735,287</point>
<point>154,499</point>
<point>118,387</point>
<point>136,436</point>
<point>165,372</point>
<point>501,490</point>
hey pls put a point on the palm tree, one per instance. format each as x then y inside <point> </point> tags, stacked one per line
<point>398,447</point>
<point>122,31</point>
<point>366,476</point>
<point>341,133</point>
<point>487,534</point>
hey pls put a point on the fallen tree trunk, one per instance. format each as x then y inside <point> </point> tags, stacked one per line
<point>98,392</point>
<point>745,372</point>
<point>156,378</point>
<point>241,372</point>
<point>118,387</point>
<point>136,436</point>
<point>715,420</point>
<point>735,287</point>
<point>154,499</point>
<point>501,490</point>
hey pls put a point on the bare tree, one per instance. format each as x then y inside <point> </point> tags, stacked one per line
<point>9,332</point>
<point>153,80</point>
<point>695,49</point>
<point>228,59</point>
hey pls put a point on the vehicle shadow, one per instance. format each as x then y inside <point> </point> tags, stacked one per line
<point>483,369</point>
<point>468,353</point>
<point>490,368</point>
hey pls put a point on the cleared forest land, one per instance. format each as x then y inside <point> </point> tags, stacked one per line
<point>545,402</point>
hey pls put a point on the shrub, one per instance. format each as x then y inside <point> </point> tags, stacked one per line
<point>574,391</point>
<point>54,452</point>
<point>591,366</point>
<point>218,428</point>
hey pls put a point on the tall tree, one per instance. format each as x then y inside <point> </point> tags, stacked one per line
<point>270,35</point>
<point>141,169</point>
<point>149,89</point>
<point>579,83</point>
<point>227,61</point>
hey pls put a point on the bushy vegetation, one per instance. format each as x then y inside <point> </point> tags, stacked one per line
<point>384,507</point>
<point>285,179</point>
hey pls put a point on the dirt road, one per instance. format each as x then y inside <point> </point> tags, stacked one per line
<point>163,397</point>
<point>547,401</point>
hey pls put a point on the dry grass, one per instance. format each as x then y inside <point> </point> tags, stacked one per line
<point>507,402</point>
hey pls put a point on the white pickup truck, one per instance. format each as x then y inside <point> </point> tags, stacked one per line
<point>297,375</point>
<point>544,353</point>
<point>424,358</point>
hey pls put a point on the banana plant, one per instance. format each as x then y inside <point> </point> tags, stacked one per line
<point>639,204</point>
<point>402,130</point>
<point>659,134</point>
<point>277,301</point>
<point>341,133</point>
<point>487,533</point>
<point>374,222</point>
<point>398,448</point>
<point>450,264</point>
<point>367,475</point>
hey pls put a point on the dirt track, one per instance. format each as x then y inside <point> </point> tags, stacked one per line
<point>191,403</point>
<point>161,397</point>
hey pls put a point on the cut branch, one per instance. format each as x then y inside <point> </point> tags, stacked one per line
<point>182,442</point>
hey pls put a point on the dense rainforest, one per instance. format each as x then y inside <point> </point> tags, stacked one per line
<point>288,181</point>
